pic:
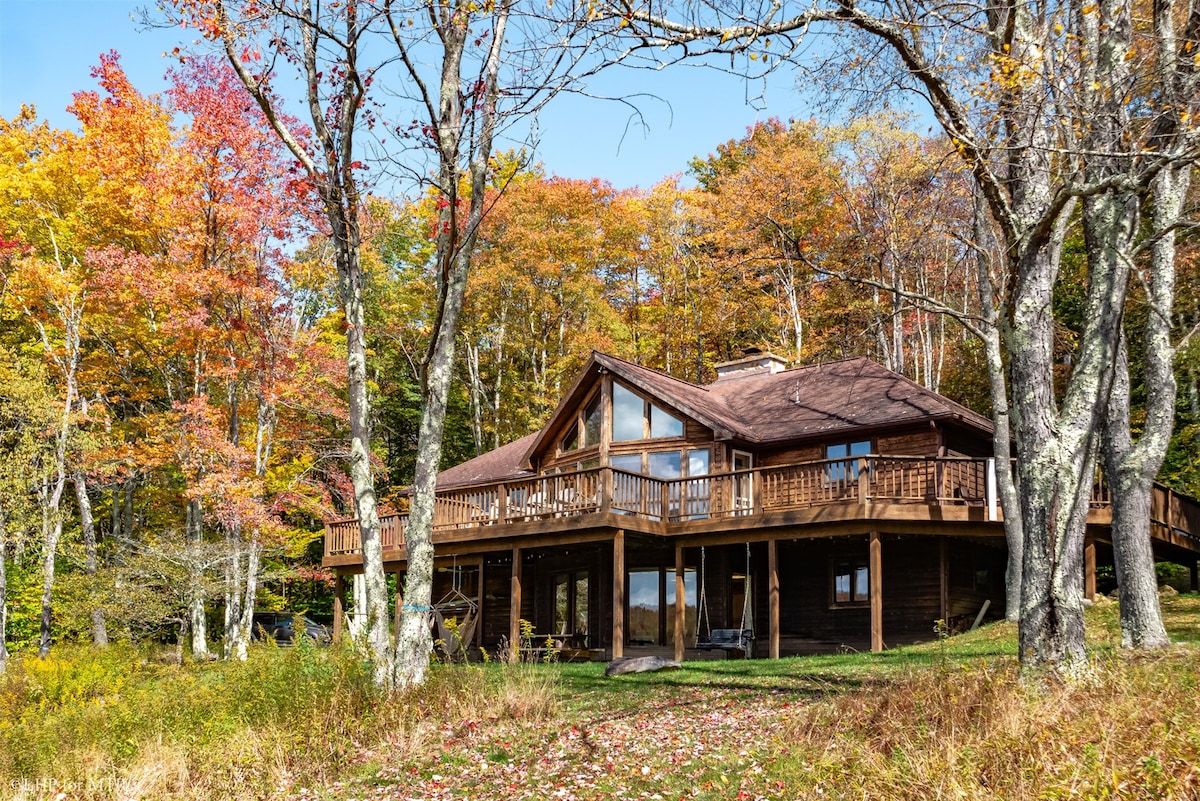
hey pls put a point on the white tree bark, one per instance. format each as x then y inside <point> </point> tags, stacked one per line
<point>88,528</point>
<point>3,590</point>
<point>414,640</point>
<point>197,619</point>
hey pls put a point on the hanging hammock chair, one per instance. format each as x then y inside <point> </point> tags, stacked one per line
<point>455,617</point>
<point>728,640</point>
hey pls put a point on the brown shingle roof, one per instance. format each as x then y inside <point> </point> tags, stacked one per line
<point>499,465</point>
<point>823,399</point>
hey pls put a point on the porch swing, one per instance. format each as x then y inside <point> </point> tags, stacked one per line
<point>728,640</point>
<point>455,605</point>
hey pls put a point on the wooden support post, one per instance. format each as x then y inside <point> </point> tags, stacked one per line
<point>1089,569</point>
<point>1195,571</point>
<point>876,581</point>
<point>944,582</point>
<point>680,603</point>
<point>501,508</point>
<point>339,605</point>
<point>479,607</point>
<point>618,593</point>
<point>864,481</point>
<point>665,500</point>
<point>514,610</point>
<point>773,597</point>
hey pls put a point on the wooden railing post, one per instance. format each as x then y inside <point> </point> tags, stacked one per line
<point>605,489</point>
<point>864,481</point>
<point>665,500</point>
<point>501,503</point>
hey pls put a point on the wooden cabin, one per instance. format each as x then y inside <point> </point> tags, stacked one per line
<point>824,507</point>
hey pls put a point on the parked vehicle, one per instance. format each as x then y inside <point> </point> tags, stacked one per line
<point>281,627</point>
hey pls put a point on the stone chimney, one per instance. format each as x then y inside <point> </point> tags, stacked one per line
<point>753,362</point>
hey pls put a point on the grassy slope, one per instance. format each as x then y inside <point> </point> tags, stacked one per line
<point>940,720</point>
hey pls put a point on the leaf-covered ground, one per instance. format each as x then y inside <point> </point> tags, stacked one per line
<point>694,742</point>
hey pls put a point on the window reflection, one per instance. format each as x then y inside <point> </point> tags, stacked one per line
<point>627,415</point>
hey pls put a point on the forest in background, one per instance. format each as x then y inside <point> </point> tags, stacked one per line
<point>172,357</point>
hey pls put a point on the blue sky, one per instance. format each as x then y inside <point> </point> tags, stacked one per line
<point>47,48</point>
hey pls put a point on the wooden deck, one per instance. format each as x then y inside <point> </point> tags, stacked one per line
<point>821,498</point>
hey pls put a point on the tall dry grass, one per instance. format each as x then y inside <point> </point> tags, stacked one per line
<point>1131,731</point>
<point>117,723</point>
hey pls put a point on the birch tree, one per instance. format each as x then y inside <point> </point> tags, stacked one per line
<point>433,83</point>
<point>1015,87</point>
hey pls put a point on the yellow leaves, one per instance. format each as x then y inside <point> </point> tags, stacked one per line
<point>1089,9</point>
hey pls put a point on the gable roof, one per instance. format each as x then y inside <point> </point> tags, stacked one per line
<point>760,408</point>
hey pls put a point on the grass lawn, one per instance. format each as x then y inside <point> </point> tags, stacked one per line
<point>946,719</point>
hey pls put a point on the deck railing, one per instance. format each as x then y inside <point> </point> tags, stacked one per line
<point>947,481</point>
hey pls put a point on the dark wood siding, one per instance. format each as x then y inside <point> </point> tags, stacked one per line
<point>922,442</point>
<point>793,455</point>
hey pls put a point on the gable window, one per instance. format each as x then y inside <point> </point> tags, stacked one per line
<point>591,422</point>
<point>627,414</point>
<point>849,453</point>
<point>664,424</point>
<point>635,418</point>
<point>851,582</point>
<point>570,442</point>
<point>585,431</point>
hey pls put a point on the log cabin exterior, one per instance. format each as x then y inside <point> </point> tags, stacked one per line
<point>821,507</point>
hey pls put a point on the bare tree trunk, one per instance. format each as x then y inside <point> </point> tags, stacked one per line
<point>3,591</point>
<point>88,526</point>
<point>233,597</point>
<point>246,621</point>
<point>1006,487</point>
<point>1131,480</point>
<point>197,619</point>
<point>127,525</point>
<point>52,531</point>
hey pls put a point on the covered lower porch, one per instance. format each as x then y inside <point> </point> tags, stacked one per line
<point>617,592</point>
